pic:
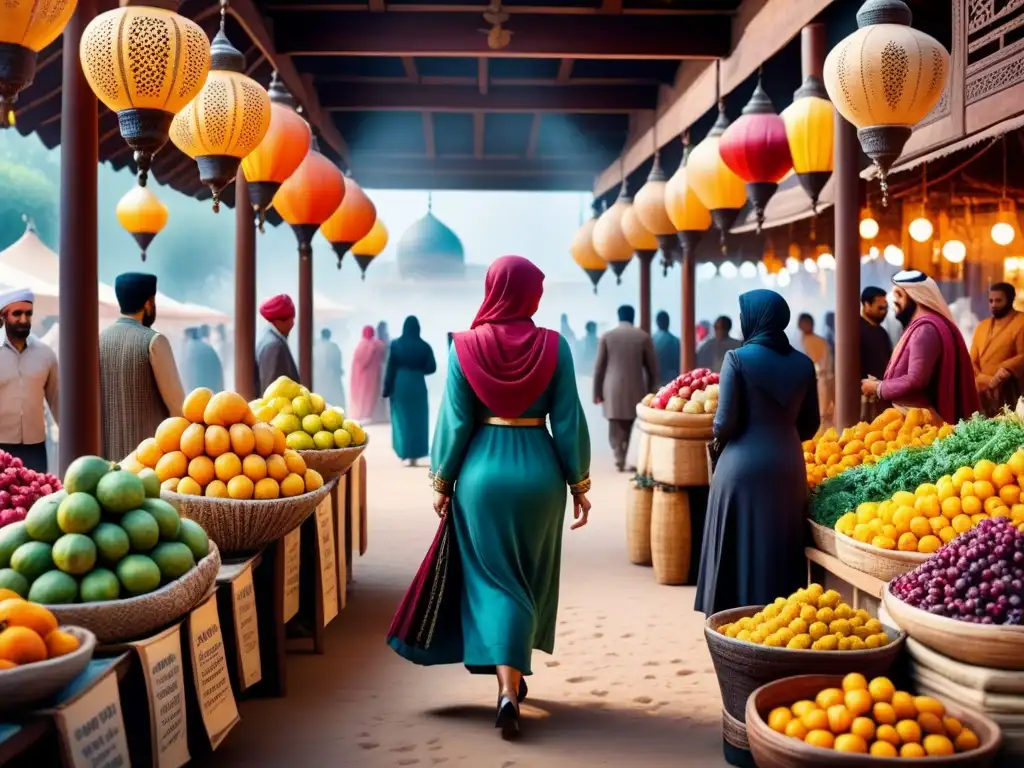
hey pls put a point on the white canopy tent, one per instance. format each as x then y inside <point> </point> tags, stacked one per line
<point>326,309</point>
<point>12,278</point>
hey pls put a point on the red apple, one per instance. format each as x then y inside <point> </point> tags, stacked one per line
<point>685,393</point>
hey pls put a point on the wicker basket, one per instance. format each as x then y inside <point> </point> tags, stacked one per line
<point>638,523</point>
<point>824,538</point>
<point>742,667</point>
<point>883,564</point>
<point>35,683</point>
<point>643,455</point>
<point>679,462</point>
<point>670,536</point>
<point>984,645</point>
<point>697,426</point>
<point>775,750</point>
<point>116,621</point>
<point>335,462</point>
<point>984,682</point>
<point>240,526</point>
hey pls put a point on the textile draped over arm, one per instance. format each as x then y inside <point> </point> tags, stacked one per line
<point>568,421</point>
<point>925,351</point>
<point>161,358</point>
<point>730,399</point>
<point>53,391</point>
<point>455,426</point>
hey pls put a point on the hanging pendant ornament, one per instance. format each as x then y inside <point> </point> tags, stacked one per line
<point>351,221</point>
<point>689,215</point>
<point>370,247</point>
<point>809,122</point>
<point>649,209</point>
<point>142,215</point>
<point>609,238</point>
<point>584,254</point>
<point>885,78</point>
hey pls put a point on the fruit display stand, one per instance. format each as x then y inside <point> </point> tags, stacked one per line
<point>334,462</point>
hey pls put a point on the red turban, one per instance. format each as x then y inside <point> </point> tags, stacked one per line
<point>278,307</point>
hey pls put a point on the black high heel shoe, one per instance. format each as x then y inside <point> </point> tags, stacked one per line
<point>523,690</point>
<point>508,718</point>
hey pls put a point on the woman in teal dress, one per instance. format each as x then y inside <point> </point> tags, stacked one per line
<point>503,478</point>
<point>410,361</point>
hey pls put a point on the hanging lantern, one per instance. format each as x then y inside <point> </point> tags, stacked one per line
<point>755,147</point>
<point>283,148</point>
<point>351,221</point>
<point>644,244</point>
<point>142,214</point>
<point>25,29</point>
<point>718,187</point>
<point>809,122</point>
<point>226,120</point>
<point>1004,231</point>
<point>145,64</point>
<point>310,195</point>
<point>651,216</point>
<point>954,251</point>
<point>688,214</point>
<point>609,240</point>
<point>884,78</point>
<point>371,246</point>
<point>584,254</point>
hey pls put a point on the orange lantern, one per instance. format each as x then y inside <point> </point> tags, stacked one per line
<point>142,214</point>
<point>584,254</point>
<point>310,195</point>
<point>351,221</point>
<point>371,246</point>
<point>689,215</point>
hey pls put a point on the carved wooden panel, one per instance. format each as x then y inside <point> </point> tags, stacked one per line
<point>995,47</point>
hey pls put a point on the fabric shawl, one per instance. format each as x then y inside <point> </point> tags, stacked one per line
<point>507,360</point>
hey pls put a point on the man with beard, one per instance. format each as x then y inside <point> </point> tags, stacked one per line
<point>28,378</point>
<point>875,346</point>
<point>930,367</point>
<point>139,382</point>
<point>998,351</point>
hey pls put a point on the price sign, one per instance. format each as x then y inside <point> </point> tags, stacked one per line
<point>162,666</point>
<point>341,489</point>
<point>210,672</point>
<point>328,562</point>
<point>291,574</point>
<point>243,604</point>
<point>92,728</point>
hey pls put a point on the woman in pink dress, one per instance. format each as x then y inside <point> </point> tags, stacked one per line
<point>367,369</point>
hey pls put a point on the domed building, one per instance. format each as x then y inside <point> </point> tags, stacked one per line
<point>430,250</point>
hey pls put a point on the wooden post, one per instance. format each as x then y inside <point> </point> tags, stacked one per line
<point>645,258</point>
<point>688,313</point>
<point>812,50</point>
<point>245,291</point>
<point>847,246</point>
<point>306,314</point>
<point>80,423</point>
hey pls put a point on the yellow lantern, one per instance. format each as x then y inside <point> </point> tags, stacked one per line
<point>884,78</point>
<point>351,221</point>
<point>645,245</point>
<point>145,64</point>
<point>609,240</point>
<point>142,214</point>
<point>721,190</point>
<point>371,246</point>
<point>584,253</point>
<point>810,130</point>
<point>650,213</point>
<point>688,214</point>
<point>25,29</point>
<point>226,120</point>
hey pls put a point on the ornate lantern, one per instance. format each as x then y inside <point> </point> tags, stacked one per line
<point>371,246</point>
<point>142,214</point>
<point>310,195</point>
<point>720,189</point>
<point>351,221</point>
<point>688,214</point>
<point>609,240</point>
<point>809,122</point>
<point>584,253</point>
<point>756,149</point>
<point>145,63</point>
<point>644,244</point>
<point>25,29</point>
<point>282,150</point>
<point>226,120</point>
<point>884,78</point>
<point>650,215</point>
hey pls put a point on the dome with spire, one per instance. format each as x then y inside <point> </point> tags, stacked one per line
<point>429,249</point>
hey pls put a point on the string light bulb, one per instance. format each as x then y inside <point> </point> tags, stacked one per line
<point>954,251</point>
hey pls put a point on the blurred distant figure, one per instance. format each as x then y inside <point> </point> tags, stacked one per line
<point>816,348</point>
<point>410,361</point>
<point>702,331</point>
<point>273,357</point>
<point>875,346</point>
<point>830,332</point>
<point>626,370</point>
<point>567,332</point>
<point>367,373</point>
<point>327,370</point>
<point>225,350</point>
<point>381,414</point>
<point>586,350</point>
<point>667,350</point>
<point>711,354</point>
<point>998,351</point>
<point>200,366</point>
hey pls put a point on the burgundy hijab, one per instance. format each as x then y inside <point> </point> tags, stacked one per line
<point>507,360</point>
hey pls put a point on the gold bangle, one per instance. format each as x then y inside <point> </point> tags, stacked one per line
<point>440,485</point>
<point>583,486</point>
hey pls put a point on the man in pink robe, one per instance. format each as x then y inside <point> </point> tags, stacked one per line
<point>367,376</point>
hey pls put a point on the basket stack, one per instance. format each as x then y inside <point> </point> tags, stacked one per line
<point>333,463</point>
<point>677,448</point>
<point>639,504</point>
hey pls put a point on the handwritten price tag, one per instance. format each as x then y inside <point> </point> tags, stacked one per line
<point>328,562</point>
<point>162,664</point>
<point>291,574</point>
<point>92,729</point>
<point>243,603</point>
<point>210,672</point>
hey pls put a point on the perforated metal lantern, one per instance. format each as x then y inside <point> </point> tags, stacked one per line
<point>688,214</point>
<point>371,246</point>
<point>226,120</point>
<point>610,240</point>
<point>884,78</point>
<point>810,121</point>
<point>26,27</point>
<point>142,214</point>
<point>721,190</point>
<point>584,253</point>
<point>145,64</point>
<point>351,221</point>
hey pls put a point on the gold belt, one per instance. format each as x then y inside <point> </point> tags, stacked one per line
<point>497,421</point>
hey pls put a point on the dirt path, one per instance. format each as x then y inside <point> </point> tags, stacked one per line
<point>630,683</point>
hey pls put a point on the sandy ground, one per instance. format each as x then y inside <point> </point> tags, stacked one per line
<point>630,682</point>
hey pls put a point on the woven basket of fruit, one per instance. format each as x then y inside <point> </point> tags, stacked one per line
<point>967,600</point>
<point>883,564</point>
<point>831,721</point>
<point>44,667</point>
<point>824,538</point>
<point>333,462</point>
<point>682,426</point>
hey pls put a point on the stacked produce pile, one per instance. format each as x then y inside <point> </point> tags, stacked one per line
<point>20,488</point>
<point>107,534</point>
<point>910,468</point>
<point>219,449</point>
<point>831,454</point>
<point>874,718</point>
<point>306,420</point>
<point>29,633</point>
<point>693,392</point>
<point>978,578</point>
<point>936,513</point>
<point>810,619</point>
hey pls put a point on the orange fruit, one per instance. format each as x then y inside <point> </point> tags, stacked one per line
<point>816,720</point>
<point>920,527</point>
<point>173,464</point>
<point>947,534</point>
<point>189,487</point>
<point>170,484</point>
<point>241,487</point>
<point>148,453</point>
<point>907,542</point>
<point>226,408</point>
<point>217,489</point>
<point>242,439</point>
<point>912,750</point>
<point>931,723</point>
<point>936,744</point>
<point>909,730</point>
<point>903,705</point>
<point>858,701</point>
<point>277,467</point>
<point>864,727</point>
<point>263,439</point>
<point>217,441</point>
<point>293,485</point>
<point>267,488</point>
<point>193,440</point>
<point>779,718</point>
<point>851,742</point>
<point>201,470</point>
<point>929,544</point>
<point>983,489</point>
<point>829,697</point>
<point>295,462</point>
<point>21,645</point>
<point>883,713</point>
<point>254,467</point>
<point>227,466</point>
<point>168,433</point>
<point>802,707</point>
<point>280,441</point>
<point>839,718</point>
<point>983,469</point>
<point>60,643</point>
<point>5,664</point>
<point>315,481</point>
<point>929,704</point>
<point>1016,462</point>
<point>21,613</point>
<point>195,404</point>
<point>132,464</point>
<point>972,505</point>
<point>967,740</point>
<point>855,681</point>
<point>883,749</point>
<point>8,594</point>
<point>820,738</point>
<point>888,734</point>
<point>951,507</point>
<point>796,729</point>
<point>1010,494</point>
<point>953,726</point>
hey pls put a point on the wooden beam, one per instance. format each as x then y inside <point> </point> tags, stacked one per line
<point>483,81</point>
<point>694,8</point>
<point>428,135</point>
<point>478,135</point>
<point>417,98</point>
<point>504,165</point>
<point>531,143</point>
<point>377,6</point>
<point>694,91</point>
<point>458,34</point>
<point>487,181</point>
<point>412,73</point>
<point>611,6</point>
<point>565,70</point>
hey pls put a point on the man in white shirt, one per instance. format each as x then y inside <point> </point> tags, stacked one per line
<point>28,380</point>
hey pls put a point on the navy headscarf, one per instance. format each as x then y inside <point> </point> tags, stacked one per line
<point>764,316</point>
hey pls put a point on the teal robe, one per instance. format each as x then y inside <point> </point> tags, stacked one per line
<point>410,361</point>
<point>508,513</point>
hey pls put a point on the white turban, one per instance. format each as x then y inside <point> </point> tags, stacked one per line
<point>924,291</point>
<point>13,297</point>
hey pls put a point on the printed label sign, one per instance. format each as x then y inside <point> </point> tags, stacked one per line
<point>161,662</point>
<point>291,574</point>
<point>328,562</point>
<point>210,672</point>
<point>92,728</point>
<point>247,635</point>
